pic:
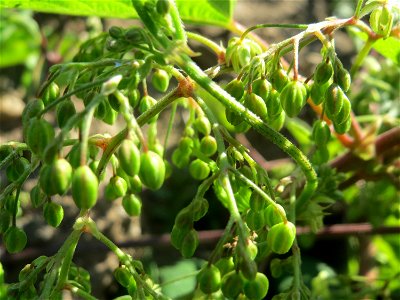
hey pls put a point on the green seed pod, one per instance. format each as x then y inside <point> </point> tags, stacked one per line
<point>39,135</point>
<point>199,169</point>
<point>177,236</point>
<point>132,205</point>
<point>180,158</point>
<point>244,55</point>
<point>255,220</point>
<point>256,104</point>
<point>37,196</point>
<point>110,115</point>
<point>279,79</point>
<point>251,249</point>
<point>232,284</point>
<point>343,79</point>
<point>248,269</point>
<point>235,88</point>
<point>65,110</point>
<point>32,110</point>
<point>199,208</point>
<point>152,170</point>
<point>323,72</point>
<point>135,184</point>
<point>317,92</point>
<point>334,101</point>
<point>116,32</point>
<point>145,104</point>
<point>134,97</point>
<point>17,168</point>
<point>342,128</point>
<point>101,110</point>
<point>293,98</point>
<point>203,125</point>
<point>276,267</point>
<point>321,133</point>
<point>74,156</point>
<point>162,7</point>
<point>129,157</point>
<point>189,243</point>
<point>116,188</point>
<point>186,144</point>
<point>114,102</point>
<point>209,279</point>
<point>14,239</point>
<point>281,236</point>
<point>160,80</point>
<point>122,275</point>
<point>208,145</point>
<point>257,202</point>
<point>5,221</point>
<point>232,117</point>
<point>46,181</point>
<point>9,203</point>
<point>84,187</point>
<point>256,289</point>
<point>132,288</point>
<point>274,106</point>
<point>272,216</point>
<point>225,265</point>
<point>53,213</point>
<point>262,88</point>
<point>344,113</point>
<point>381,20</point>
<point>61,175</point>
<point>51,93</point>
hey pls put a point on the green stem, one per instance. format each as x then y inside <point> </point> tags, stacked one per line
<point>358,9</point>
<point>180,33</point>
<point>217,49</point>
<point>278,139</point>
<point>293,26</point>
<point>84,134</point>
<point>79,292</point>
<point>192,274</point>
<point>361,56</point>
<point>170,125</point>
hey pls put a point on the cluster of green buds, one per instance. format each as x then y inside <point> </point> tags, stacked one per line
<point>240,52</point>
<point>381,19</point>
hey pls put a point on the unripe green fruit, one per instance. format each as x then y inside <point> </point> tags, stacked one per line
<point>199,208</point>
<point>61,175</point>
<point>129,157</point>
<point>344,113</point>
<point>116,188</point>
<point>209,279</point>
<point>189,244</point>
<point>116,32</point>
<point>381,20</point>
<point>39,135</point>
<point>53,213</point>
<point>293,98</point>
<point>46,180</point>
<point>84,187</point>
<point>208,145</point>
<point>244,55</point>
<point>274,106</point>
<point>334,101</point>
<point>321,132</point>
<point>272,216</point>
<point>186,144</point>
<point>251,249</point>
<point>14,239</point>
<point>256,104</point>
<point>343,79</point>
<point>160,80</point>
<point>235,88</point>
<point>110,115</point>
<point>342,128</point>
<point>162,7</point>
<point>256,289</point>
<point>262,88</point>
<point>248,268</point>
<point>133,97</point>
<point>257,202</point>
<point>146,103</point>
<point>225,265</point>
<point>65,110</point>
<point>323,72</point>
<point>123,276</point>
<point>232,284</point>
<point>31,110</point>
<point>17,168</point>
<point>321,155</point>
<point>317,92</point>
<point>281,236</point>
<point>180,158</point>
<point>51,93</point>
<point>37,196</point>
<point>152,170</point>
<point>132,205</point>
<point>279,79</point>
<point>255,219</point>
<point>276,267</point>
<point>203,125</point>
<point>177,236</point>
<point>232,117</point>
<point>199,169</point>
<point>184,219</point>
<point>114,102</point>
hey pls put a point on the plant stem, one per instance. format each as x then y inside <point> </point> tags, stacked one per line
<point>361,56</point>
<point>293,26</point>
<point>358,8</point>
<point>278,139</point>
<point>217,49</point>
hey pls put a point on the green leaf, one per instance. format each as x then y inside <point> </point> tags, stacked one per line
<point>214,12</point>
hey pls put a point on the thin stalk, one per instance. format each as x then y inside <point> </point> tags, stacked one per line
<point>358,9</point>
<point>361,56</point>
<point>170,124</point>
<point>292,26</point>
<point>180,33</point>
<point>217,49</point>
<point>79,292</point>
<point>84,134</point>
